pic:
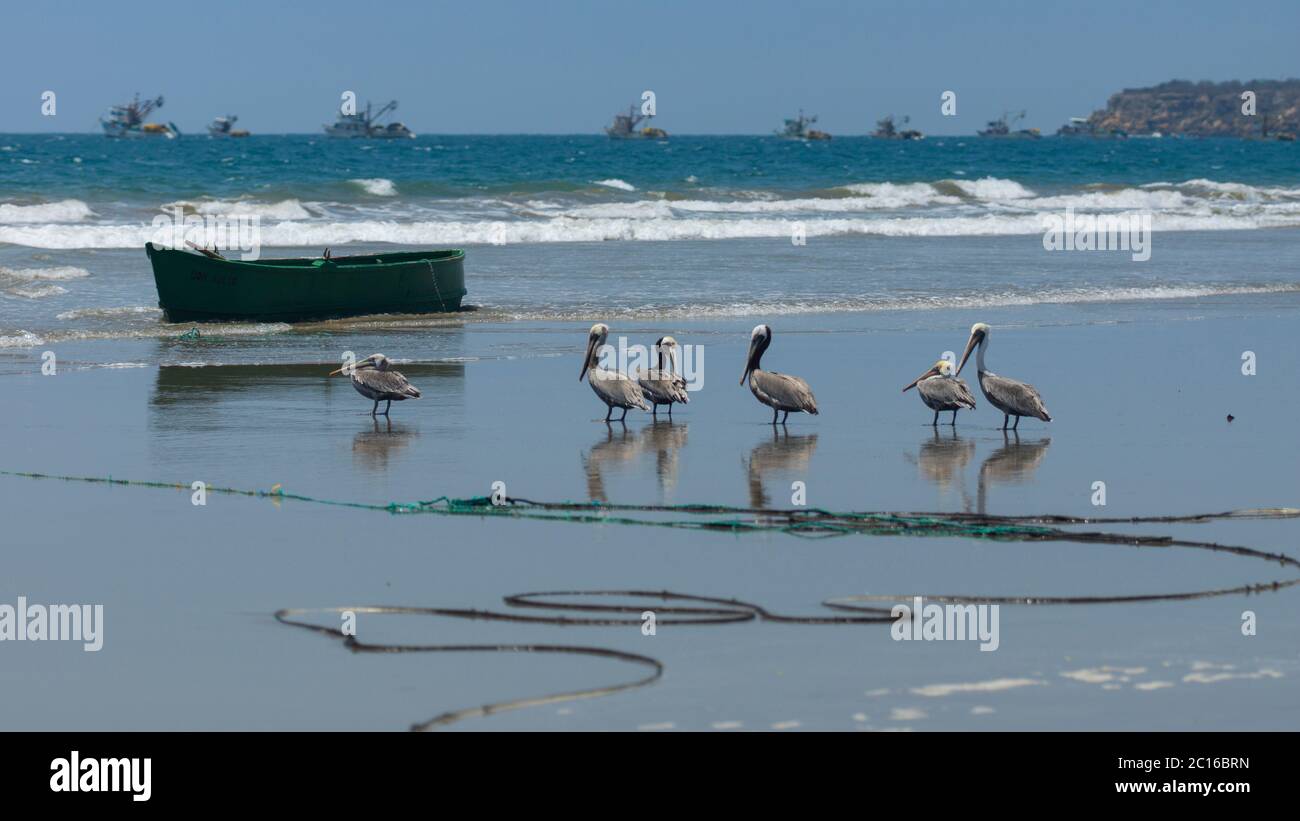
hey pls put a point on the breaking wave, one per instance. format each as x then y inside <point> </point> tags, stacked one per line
<point>378,187</point>
<point>56,212</point>
<point>615,183</point>
<point>945,208</point>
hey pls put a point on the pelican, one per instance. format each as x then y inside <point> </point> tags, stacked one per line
<point>373,380</point>
<point>778,391</point>
<point>663,386</point>
<point>941,391</point>
<point>1007,395</point>
<point>614,389</point>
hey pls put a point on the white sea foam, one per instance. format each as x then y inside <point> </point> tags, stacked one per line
<point>895,195</point>
<point>984,299</point>
<point>615,183</point>
<point>945,208</point>
<point>56,273</point>
<point>993,686</point>
<point>36,291</point>
<point>377,187</point>
<point>22,339</point>
<point>59,212</point>
<point>992,188</point>
<point>290,209</point>
<point>109,313</point>
<point>605,229</point>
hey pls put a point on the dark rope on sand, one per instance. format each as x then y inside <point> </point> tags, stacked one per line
<point>705,610</point>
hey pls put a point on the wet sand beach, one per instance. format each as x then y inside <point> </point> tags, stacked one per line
<point>189,592</point>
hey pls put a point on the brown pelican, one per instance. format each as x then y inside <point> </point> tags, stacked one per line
<point>373,380</point>
<point>662,386</point>
<point>778,391</point>
<point>941,391</point>
<point>614,389</point>
<point>1007,395</point>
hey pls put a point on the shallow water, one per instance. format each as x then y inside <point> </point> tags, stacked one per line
<point>1140,403</point>
<point>907,246</point>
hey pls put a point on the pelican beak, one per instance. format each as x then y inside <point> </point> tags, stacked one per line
<point>749,361</point>
<point>974,340</point>
<point>586,358</point>
<point>926,375</point>
<point>335,373</point>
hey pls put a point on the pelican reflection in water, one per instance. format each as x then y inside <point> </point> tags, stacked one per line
<point>620,450</point>
<point>373,447</point>
<point>942,461</point>
<point>1012,464</point>
<point>784,456</point>
<point>664,440</point>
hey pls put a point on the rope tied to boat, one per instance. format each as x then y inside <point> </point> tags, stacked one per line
<point>433,275</point>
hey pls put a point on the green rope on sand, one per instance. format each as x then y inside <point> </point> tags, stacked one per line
<point>807,522</point>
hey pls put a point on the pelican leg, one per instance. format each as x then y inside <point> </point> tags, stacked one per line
<point>375,410</point>
<point>1016,426</point>
<point>654,409</point>
<point>783,418</point>
<point>1006,420</point>
<point>775,413</point>
<point>609,413</point>
<point>935,423</point>
<point>954,418</point>
<point>624,416</point>
<point>387,407</point>
<point>670,410</point>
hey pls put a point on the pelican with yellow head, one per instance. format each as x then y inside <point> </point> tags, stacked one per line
<point>941,390</point>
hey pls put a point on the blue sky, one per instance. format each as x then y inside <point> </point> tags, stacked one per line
<point>477,66</point>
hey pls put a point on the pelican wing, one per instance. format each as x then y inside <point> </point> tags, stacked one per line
<point>1010,396</point>
<point>944,393</point>
<point>663,387</point>
<point>616,389</point>
<point>384,385</point>
<point>782,391</point>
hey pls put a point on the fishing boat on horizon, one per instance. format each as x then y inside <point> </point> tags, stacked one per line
<point>1001,127</point>
<point>797,129</point>
<point>624,127</point>
<point>126,121</point>
<point>202,285</point>
<point>886,130</point>
<point>365,125</point>
<point>224,127</point>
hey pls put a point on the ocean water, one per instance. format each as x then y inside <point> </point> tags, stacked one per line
<point>907,245</point>
<point>578,228</point>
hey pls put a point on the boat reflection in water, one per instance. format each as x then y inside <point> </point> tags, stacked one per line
<point>619,449</point>
<point>1012,464</point>
<point>784,457</point>
<point>942,460</point>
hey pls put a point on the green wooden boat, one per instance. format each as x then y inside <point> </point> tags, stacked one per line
<point>193,287</point>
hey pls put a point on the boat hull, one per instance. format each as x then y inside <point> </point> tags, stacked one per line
<point>195,288</point>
